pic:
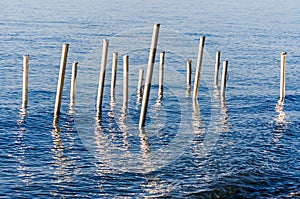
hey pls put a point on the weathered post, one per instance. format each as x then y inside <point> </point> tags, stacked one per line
<point>61,78</point>
<point>198,67</point>
<point>114,75</point>
<point>125,82</point>
<point>224,78</point>
<point>149,75</point>
<point>217,67</point>
<point>102,77</point>
<point>73,83</point>
<point>161,75</point>
<point>25,82</point>
<point>282,77</point>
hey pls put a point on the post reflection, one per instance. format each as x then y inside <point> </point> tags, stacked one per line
<point>225,114</point>
<point>64,166</point>
<point>197,122</point>
<point>280,124</point>
<point>20,148</point>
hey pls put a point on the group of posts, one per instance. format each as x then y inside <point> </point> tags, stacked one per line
<point>144,94</point>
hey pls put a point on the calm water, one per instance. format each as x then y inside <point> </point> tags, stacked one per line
<point>239,148</point>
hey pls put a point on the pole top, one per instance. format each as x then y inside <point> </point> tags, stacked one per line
<point>157,25</point>
<point>105,40</point>
<point>283,53</point>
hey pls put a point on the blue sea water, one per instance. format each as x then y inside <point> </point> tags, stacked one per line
<point>243,147</point>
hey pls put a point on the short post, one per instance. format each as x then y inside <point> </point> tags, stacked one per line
<point>102,76</point>
<point>224,78</point>
<point>25,82</point>
<point>282,77</point>
<point>61,79</point>
<point>140,83</point>
<point>125,81</point>
<point>188,73</point>
<point>149,75</point>
<point>198,67</point>
<point>161,75</point>
<point>217,67</point>
<point>73,83</point>
<point>114,75</point>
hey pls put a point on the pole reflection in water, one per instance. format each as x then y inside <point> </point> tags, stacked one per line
<point>225,114</point>
<point>197,119</point>
<point>280,123</point>
<point>65,166</point>
<point>20,147</point>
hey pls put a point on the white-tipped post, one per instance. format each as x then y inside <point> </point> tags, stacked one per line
<point>198,67</point>
<point>282,77</point>
<point>224,78</point>
<point>61,79</point>
<point>114,75</point>
<point>102,76</point>
<point>25,82</point>
<point>188,73</point>
<point>140,83</point>
<point>149,75</point>
<point>217,67</point>
<point>73,83</point>
<point>161,75</point>
<point>125,81</point>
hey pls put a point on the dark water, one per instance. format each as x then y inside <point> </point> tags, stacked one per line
<point>241,148</point>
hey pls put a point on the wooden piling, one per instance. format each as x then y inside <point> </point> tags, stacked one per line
<point>25,82</point>
<point>125,81</point>
<point>188,73</point>
<point>224,78</point>
<point>102,76</point>
<point>149,75</point>
<point>282,78</point>
<point>73,83</point>
<point>140,83</point>
<point>198,67</point>
<point>161,75</point>
<point>61,78</point>
<point>217,67</point>
<point>113,76</point>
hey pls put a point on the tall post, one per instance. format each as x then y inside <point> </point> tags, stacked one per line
<point>198,67</point>
<point>217,67</point>
<point>25,82</point>
<point>149,75</point>
<point>125,81</point>
<point>224,78</point>
<point>114,75</point>
<point>102,76</point>
<point>61,79</point>
<point>161,75</point>
<point>282,77</point>
<point>73,83</point>
<point>140,83</point>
